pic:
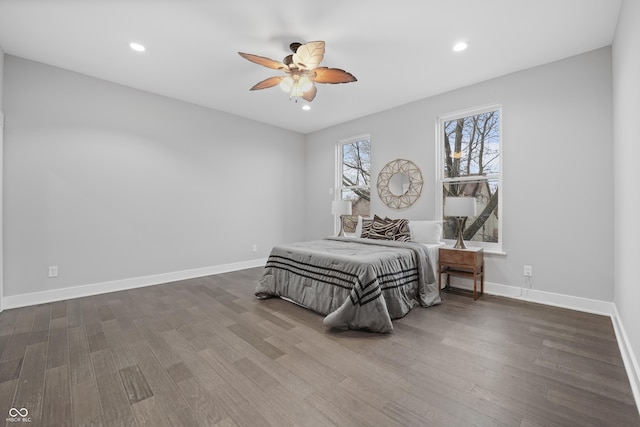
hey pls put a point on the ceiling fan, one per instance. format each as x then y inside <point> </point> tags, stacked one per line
<point>302,71</point>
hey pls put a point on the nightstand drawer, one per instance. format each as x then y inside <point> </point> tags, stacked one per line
<point>462,257</point>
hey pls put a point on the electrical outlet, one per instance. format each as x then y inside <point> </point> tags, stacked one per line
<point>528,271</point>
<point>53,271</point>
<point>255,248</point>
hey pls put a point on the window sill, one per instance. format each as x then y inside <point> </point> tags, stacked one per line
<point>492,251</point>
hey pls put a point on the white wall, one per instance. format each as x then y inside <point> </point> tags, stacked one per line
<point>626,106</point>
<point>558,179</point>
<point>1,76</point>
<point>109,183</point>
<point>1,173</point>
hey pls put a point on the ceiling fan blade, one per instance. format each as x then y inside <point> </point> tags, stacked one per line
<point>267,83</point>
<point>265,62</point>
<point>310,94</point>
<point>332,75</point>
<point>309,55</point>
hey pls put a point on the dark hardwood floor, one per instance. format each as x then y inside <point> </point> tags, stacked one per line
<point>205,352</point>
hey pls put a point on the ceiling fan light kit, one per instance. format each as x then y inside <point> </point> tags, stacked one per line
<point>302,71</point>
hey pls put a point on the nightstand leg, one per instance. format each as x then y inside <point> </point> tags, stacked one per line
<point>475,279</point>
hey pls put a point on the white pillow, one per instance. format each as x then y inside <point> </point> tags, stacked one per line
<point>359,227</point>
<point>426,231</point>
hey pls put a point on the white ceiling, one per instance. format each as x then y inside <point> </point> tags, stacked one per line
<point>400,51</point>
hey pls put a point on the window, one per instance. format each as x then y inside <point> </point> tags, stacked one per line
<point>353,178</point>
<point>470,144</point>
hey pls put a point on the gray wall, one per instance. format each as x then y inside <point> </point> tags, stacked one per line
<point>108,183</point>
<point>558,179</point>
<point>626,95</point>
<point>1,175</point>
<point>1,76</point>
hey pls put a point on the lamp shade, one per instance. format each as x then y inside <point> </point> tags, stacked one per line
<point>460,206</point>
<point>341,207</point>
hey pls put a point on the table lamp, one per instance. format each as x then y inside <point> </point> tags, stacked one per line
<point>341,208</point>
<point>460,207</point>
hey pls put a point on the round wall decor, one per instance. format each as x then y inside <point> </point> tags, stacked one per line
<point>399,183</point>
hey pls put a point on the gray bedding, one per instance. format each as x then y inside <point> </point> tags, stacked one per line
<point>357,283</point>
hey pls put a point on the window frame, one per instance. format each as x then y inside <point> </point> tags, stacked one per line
<point>490,247</point>
<point>339,160</point>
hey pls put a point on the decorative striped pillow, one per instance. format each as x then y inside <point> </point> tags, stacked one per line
<point>366,227</point>
<point>404,232</point>
<point>390,229</point>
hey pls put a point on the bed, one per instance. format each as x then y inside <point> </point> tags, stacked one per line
<point>358,283</point>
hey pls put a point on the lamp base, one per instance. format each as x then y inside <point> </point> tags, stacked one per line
<point>460,242</point>
<point>341,232</point>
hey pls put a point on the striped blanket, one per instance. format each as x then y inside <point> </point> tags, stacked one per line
<point>357,283</point>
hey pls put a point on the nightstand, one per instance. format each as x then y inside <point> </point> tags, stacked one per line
<point>467,262</point>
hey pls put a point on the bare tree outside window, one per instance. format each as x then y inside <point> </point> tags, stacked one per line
<point>472,169</point>
<point>356,176</point>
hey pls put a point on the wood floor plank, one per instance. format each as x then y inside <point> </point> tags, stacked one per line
<point>205,407</point>
<point>165,390</point>
<point>90,317</point>
<point>74,313</point>
<point>149,413</point>
<point>135,384</point>
<point>337,405</point>
<point>86,403</point>
<point>30,387</point>
<point>179,372</point>
<point>79,356</point>
<point>56,409</point>
<point>103,363</point>
<point>7,391</point>
<point>291,407</point>
<point>58,310</point>
<point>311,372</point>
<point>58,353</point>
<point>193,361</point>
<point>17,344</point>
<point>158,378</point>
<point>178,413</point>
<point>40,329</point>
<point>151,331</point>
<point>240,391</point>
<point>117,343</point>
<point>8,320</point>
<point>581,372</point>
<point>10,369</point>
<point>253,339</point>
<point>116,410</point>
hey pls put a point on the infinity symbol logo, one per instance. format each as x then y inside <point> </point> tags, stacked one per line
<point>22,412</point>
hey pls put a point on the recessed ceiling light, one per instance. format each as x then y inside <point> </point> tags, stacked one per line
<point>306,107</point>
<point>137,47</point>
<point>459,47</point>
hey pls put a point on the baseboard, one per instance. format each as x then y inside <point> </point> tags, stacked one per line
<point>628,356</point>
<point>23,300</point>
<point>547,298</point>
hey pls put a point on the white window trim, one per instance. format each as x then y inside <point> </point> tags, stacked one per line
<point>338,169</point>
<point>493,248</point>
